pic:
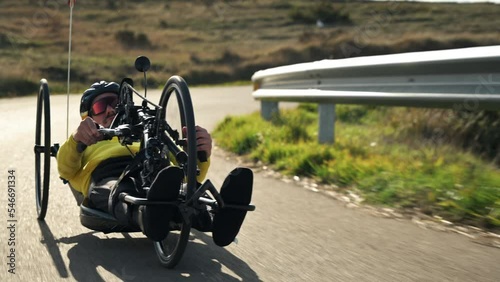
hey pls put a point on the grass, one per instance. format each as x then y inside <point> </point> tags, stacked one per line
<point>211,42</point>
<point>375,158</point>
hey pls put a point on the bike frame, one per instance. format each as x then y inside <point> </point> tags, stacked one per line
<point>160,146</point>
<point>143,124</point>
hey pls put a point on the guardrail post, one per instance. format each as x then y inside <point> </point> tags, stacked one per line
<point>268,109</point>
<point>326,123</point>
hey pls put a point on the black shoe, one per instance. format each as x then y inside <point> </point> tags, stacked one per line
<point>236,190</point>
<point>165,187</point>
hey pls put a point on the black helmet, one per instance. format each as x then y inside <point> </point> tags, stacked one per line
<point>95,90</point>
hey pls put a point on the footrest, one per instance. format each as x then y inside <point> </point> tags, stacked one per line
<point>240,207</point>
<point>124,197</point>
<point>236,193</point>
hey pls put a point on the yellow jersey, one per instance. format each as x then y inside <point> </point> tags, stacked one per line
<point>77,167</point>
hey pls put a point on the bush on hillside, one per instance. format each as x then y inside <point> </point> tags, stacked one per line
<point>324,12</point>
<point>130,40</point>
<point>15,87</point>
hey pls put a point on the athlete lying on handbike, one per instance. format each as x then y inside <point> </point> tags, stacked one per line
<point>93,174</point>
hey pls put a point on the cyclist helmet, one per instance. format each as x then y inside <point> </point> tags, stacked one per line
<point>96,89</point>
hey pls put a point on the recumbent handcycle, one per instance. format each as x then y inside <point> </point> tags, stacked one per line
<point>160,144</point>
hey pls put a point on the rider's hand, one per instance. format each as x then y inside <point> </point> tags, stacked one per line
<point>87,132</point>
<point>203,140</point>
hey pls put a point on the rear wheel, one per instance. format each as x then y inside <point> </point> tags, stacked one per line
<point>178,113</point>
<point>42,150</point>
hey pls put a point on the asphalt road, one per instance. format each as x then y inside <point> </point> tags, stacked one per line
<point>294,235</point>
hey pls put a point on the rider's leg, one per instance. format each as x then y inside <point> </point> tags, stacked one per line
<point>122,211</point>
<point>203,218</point>
<point>236,190</point>
<point>165,187</point>
<point>77,194</point>
<point>99,193</point>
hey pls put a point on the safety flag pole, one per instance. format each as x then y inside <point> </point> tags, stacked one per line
<point>71,4</point>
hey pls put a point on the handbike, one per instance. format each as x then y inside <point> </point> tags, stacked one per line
<point>160,145</point>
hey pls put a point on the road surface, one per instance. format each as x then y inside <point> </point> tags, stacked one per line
<point>294,235</point>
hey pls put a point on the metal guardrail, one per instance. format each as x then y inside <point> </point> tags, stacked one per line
<point>467,78</point>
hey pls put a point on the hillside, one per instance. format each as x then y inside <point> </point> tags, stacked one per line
<point>218,41</point>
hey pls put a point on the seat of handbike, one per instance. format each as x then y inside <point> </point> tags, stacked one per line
<point>100,221</point>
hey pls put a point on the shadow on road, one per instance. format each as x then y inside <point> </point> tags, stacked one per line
<point>97,257</point>
<point>51,243</point>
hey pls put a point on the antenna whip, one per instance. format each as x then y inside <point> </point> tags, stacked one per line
<point>71,4</point>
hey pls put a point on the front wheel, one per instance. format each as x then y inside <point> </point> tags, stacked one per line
<point>171,249</point>
<point>42,146</point>
<point>177,112</point>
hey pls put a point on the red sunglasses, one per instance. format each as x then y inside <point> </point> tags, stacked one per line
<point>100,106</point>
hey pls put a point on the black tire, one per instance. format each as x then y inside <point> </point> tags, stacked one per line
<point>42,170</point>
<point>176,103</point>
<point>176,90</point>
<point>171,249</point>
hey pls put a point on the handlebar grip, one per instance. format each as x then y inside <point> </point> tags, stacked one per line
<point>202,156</point>
<point>106,134</point>
<point>80,147</point>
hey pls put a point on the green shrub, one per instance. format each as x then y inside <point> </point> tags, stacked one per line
<point>351,114</point>
<point>163,24</point>
<point>4,41</point>
<point>371,155</point>
<point>323,11</point>
<point>276,153</point>
<point>12,87</point>
<point>205,76</point>
<point>308,107</point>
<point>478,131</point>
<point>244,140</point>
<point>130,40</point>
<point>228,57</point>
